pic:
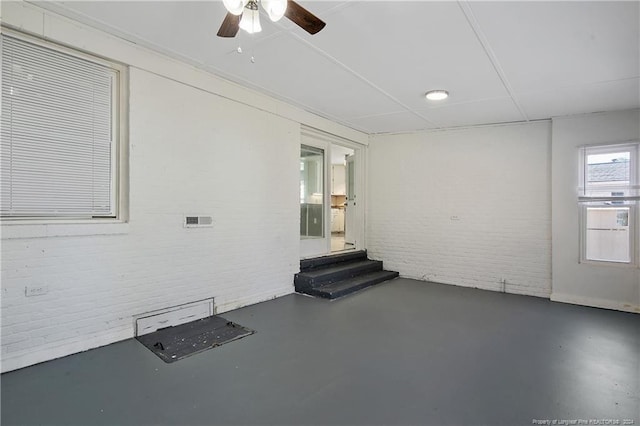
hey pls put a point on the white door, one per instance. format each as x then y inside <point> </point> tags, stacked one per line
<point>315,235</point>
<point>350,212</point>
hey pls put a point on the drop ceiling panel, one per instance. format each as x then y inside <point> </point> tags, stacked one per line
<point>500,110</point>
<point>321,9</point>
<point>407,48</point>
<point>609,96</point>
<point>186,29</point>
<point>391,123</point>
<point>546,45</point>
<point>283,66</point>
<point>288,68</point>
<point>370,66</point>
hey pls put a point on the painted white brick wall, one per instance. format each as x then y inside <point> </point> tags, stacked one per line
<point>199,145</point>
<point>468,207</point>
<point>191,152</point>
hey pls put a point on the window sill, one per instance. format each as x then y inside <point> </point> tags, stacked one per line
<point>26,229</point>
<point>611,264</point>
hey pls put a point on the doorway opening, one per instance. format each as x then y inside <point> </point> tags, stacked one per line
<point>342,198</point>
<point>331,176</point>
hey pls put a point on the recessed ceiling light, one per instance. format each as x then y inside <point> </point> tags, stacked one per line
<point>437,95</point>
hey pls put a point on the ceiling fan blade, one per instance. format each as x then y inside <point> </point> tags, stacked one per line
<point>303,18</point>
<point>230,26</point>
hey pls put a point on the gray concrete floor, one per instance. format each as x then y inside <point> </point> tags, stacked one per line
<point>404,352</point>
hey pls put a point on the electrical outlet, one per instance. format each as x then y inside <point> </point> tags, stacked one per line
<point>36,290</point>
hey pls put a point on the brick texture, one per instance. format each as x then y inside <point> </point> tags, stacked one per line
<point>191,152</point>
<point>469,207</point>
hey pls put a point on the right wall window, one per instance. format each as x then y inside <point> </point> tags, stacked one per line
<point>608,196</point>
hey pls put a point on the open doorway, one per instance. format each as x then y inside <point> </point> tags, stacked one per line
<point>342,198</point>
<point>331,177</point>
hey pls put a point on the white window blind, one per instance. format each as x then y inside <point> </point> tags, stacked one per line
<point>58,147</point>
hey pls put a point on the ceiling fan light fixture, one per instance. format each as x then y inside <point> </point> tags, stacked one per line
<point>235,7</point>
<point>437,95</point>
<point>250,21</point>
<point>275,8</point>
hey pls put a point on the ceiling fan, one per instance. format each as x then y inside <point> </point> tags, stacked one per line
<point>245,14</point>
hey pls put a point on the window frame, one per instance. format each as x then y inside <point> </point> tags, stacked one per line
<point>585,201</point>
<point>119,129</point>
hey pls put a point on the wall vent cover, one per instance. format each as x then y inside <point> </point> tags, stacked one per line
<point>170,317</point>
<point>198,221</point>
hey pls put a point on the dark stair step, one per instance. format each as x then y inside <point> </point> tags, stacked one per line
<point>319,262</point>
<point>351,285</point>
<point>333,273</point>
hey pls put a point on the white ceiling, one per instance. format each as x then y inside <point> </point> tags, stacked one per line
<point>371,65</point>
<point>338,154</point>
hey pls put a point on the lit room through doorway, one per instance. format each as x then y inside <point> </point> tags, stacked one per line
<point>342,202</point>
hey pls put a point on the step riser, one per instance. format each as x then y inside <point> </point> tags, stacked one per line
<point>320,262</point>
<point>335,276</point>
<point>353,289</point>
<point>311,282</point>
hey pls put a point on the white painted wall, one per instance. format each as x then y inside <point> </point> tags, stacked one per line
<point>191,152</point>
<point>466,207</point>
<point>198,145</point>
<point>607,286</point>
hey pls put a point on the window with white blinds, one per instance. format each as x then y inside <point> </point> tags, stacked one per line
<point>58,148</point>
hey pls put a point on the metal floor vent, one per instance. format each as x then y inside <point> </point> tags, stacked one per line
<point>175,343</point>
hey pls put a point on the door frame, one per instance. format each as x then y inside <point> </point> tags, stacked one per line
<point>314,247</point>
<point>351,202</point>
<point>314,137</point>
